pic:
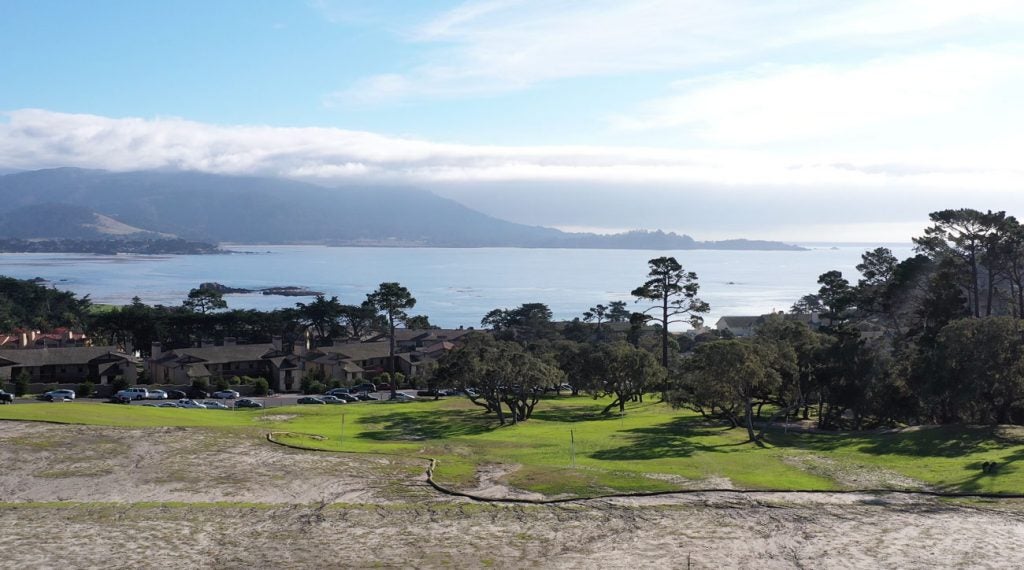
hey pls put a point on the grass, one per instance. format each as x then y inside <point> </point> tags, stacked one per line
<point>569,448</point>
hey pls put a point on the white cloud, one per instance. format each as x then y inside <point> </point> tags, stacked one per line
<point>500,45</point>
<point>801,102</point>
<point>35,138</point>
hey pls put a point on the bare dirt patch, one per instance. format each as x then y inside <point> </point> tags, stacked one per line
<point>314,510</point>
<point>43,462</point>
<point>854,476</point>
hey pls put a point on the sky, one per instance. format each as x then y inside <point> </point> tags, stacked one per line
<point>797,120</point>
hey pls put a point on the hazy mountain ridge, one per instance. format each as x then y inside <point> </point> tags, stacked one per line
<point>209,207</point>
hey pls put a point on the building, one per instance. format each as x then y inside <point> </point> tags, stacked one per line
<point>183,366</point>
<point>746,326</point>
<point>99,364</point>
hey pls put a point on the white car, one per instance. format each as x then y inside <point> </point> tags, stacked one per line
<point>59,395</point>
<point>402,397</point>
<point>133,393</point>
<point>214,405</point>
<point>156,395</point>
<point>226,395</point>
<point>186,403</point>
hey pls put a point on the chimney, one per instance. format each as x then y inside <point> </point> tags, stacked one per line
<point>230,341</point>
<point>155,350</point>
<point>301,348</point>
<point>23,342</point>
<point>32,336</point>
<point>276,341</point>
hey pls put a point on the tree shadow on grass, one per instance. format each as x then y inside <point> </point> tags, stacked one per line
<point>975,483</point>
<point>678,438</point>
<point>573,414</point>
<point>426,424</point>
<point>937,441</point>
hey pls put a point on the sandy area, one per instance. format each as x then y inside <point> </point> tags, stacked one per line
<point>327,510</point>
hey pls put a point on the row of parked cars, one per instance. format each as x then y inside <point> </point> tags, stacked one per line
<point>206,404</point>
<point>138,393</point>
<point>341,396</point>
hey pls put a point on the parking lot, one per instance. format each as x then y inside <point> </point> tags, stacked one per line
<point>274,401</point>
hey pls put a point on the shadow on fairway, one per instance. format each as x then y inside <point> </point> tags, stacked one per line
<point>426,424</point>
<point>678,438</point>
<point>937,441</point>
<point>572,415</point>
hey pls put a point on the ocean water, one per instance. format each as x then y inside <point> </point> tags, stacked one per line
<point>453,286</point>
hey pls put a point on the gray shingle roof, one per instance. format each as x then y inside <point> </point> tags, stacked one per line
<point>68,356</point>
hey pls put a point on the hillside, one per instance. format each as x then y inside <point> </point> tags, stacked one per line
<point>238,209</point>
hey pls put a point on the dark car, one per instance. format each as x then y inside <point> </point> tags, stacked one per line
<point>365,387</point>
<point>310,400</point>
<point>6,397</point>
<point>350,398</point>
<point>247,403</point>
<point>176,395</point>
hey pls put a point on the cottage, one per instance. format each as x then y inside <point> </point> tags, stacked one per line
<point>182,366</point>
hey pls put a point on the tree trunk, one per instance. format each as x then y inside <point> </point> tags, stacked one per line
<point>664,331</point>
<point>749,411</point>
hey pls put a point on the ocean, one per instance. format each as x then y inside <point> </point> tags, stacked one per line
<point>454,287</point>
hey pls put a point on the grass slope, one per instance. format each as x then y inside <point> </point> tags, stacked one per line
<point>650,448</point>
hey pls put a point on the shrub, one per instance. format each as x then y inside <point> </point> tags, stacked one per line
<point>119,384</point>
<point>384,378</point>
<point>312,377</point>
<point>221,384</point>
<point>85,389</point>
<point>21,384</point>
<point>399,378</point>
<point>260,387</point>
<point>200,385</point>
<point>315,388</point>
<point>235,380</point>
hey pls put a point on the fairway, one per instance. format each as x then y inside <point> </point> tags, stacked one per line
<point>568,449</point>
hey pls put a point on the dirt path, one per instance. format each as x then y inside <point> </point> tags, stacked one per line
<point>327,510</point>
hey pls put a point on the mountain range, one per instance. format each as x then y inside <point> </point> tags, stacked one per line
<point>78,203</point>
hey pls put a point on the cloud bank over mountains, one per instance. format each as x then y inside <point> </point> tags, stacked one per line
<point>565,186</point>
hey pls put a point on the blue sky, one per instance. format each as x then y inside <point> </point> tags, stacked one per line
<point>754,118</point>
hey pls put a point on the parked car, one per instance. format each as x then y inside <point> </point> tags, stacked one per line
<point>59,395</point>
<point>6,397</point>
<point>190,404</point>
<point>134,393</point>
<point>429,393</point>
<point>350,398</point>
<point>310,400</point>
<point>364,397</point>
<point>402,397</point>
<point>383,387</point>
<point>328,399</point>
<point>247,403</point>
<point>156,395</point>
<point>166,405</point>
<point>226,395</point>
<point>214,405</point>
<point>337,391</point>
<point>120,399</point>
<point>176,395</point>
<point>365,387</point>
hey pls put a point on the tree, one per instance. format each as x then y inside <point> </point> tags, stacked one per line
<point>526,322</point>
<point>836,295</point>
<point>624,372</point>
<point>500,376</point>
<point>728,375</point>
<point>983,364</point>
<point>675,290</point>
<point>391,300</point>
<point>808,305</point>
<point>617,312</point>
<point>971,238</point>
<point>361,318</point>
<point>596,314</point>
<point>419,322</point>
<point>204,300</point>
<point>322,314</point>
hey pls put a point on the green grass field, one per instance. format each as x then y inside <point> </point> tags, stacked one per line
<point>650,448</point>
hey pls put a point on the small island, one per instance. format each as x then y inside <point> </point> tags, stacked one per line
<point>284,291</point>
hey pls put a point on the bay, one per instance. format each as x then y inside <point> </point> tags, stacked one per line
<point>455,287</point>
